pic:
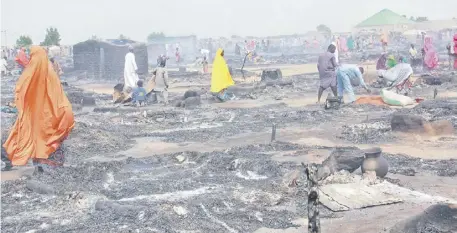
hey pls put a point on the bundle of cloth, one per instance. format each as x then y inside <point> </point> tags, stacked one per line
<point>397,74</point>
<point>384,63</point>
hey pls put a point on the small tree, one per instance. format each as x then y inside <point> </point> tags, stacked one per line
<point>52,37</point>
<point>324,29</point>
<point>156,35</point>
<point>24,41</point>
<point>412,18</point>
<point>122,37</point>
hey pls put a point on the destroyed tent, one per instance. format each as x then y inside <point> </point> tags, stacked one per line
<point>105,59</point>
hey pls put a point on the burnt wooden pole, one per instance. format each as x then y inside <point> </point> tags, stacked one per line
<point>273,132</point>
<point>314,225</point>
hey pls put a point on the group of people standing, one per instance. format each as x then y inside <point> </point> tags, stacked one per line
<point>135,85</point>
<point>430,56</point>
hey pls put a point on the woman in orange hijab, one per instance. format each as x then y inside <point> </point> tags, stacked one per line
<point>45,117</point>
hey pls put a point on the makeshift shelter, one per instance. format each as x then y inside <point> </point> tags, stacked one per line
<point>105,59</point>
<point>386,20</point>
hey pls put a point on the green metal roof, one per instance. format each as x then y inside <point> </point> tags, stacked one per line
<point>384,17</point>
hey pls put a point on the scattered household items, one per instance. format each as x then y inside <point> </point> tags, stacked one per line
<point>346,158</point>
<point>120,95</point>
<point>373,100</point>
<point>397,77</point>
<point>357,195</point>
<point>271,74</point>
<point>375,162</point>
<point>333,102</point>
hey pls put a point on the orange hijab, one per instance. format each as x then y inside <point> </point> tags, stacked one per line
<point>45,117</point>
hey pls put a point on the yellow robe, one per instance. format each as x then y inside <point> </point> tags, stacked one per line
<point>220,77</point>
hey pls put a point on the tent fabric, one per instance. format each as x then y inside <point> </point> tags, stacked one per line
<point>373,100</point>
<point>385,17</point>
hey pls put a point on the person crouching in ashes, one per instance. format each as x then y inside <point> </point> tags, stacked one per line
<point>44,116</point>
<point>349,76</point>
<point>139,94</point>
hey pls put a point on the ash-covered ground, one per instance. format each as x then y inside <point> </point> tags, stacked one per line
<point>239,186</point>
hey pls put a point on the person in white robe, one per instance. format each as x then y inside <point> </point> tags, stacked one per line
<point>130,68</point>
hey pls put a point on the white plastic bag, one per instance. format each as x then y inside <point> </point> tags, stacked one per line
<point>394,99</point>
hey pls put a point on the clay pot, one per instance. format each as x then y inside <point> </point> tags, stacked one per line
<point>374,161</point>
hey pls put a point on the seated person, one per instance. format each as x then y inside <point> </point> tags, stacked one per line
<point>139,94</point>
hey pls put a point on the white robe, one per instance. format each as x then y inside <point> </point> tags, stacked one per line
<point>336,53</point>
<point>130,68</point>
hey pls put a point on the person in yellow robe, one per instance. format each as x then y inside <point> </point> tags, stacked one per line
<point>44,115</point>
<point>220,77</point>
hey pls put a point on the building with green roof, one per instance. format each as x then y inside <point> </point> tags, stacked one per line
<point>386,20</point>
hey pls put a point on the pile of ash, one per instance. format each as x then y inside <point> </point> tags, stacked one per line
<point>406,165</point>
<point>374,132</point>
<point>433,110</point>
<point>180,192</point>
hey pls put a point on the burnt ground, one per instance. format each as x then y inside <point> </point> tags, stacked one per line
<point>212,168</point>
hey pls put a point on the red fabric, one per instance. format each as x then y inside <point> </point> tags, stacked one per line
<point>21,58</point>
<point>431,58</point>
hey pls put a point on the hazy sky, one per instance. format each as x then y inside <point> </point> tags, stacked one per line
<point>77,20</point>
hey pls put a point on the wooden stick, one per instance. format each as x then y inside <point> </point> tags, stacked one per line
<point>314,225</point>
<point>273,133</point>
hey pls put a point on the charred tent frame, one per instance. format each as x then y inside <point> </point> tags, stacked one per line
<point>105,59</point>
